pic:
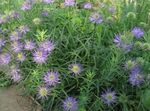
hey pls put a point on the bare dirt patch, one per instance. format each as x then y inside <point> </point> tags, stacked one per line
<point>10,100</point>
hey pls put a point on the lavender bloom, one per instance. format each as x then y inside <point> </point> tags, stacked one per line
<point>1,31</point>
<point>40,56</point>
<point>75,68</point>
<point>43,92</point>
<point>69,2</point>
<point>44,13</point>
<point>70,104</point>
<point>14,15</point>
<point>112,9</point>
<point>16,35</point>
<point>2,42</point>
<point>26,6</point>
<point>117,40</point>
<point>109,97</point>
<point>135,78</point>
<point>47,46</point>
<point>48,1</point>
<point>5,58</point>
<point>88,5</point>
<point>96,18</point>
<point>138,32</point>
<point>16,46</point>
<point>21,57</point>
<point>51,78</point>
<point>14,70</point>
<point>29,45</point>
<point>15,74</point>
<point>24,29</point>
<point>122,44</point>
<point>16,77</point>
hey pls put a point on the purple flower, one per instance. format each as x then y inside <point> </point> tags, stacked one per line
<point>5,58</point>
<point>51,78</point>
<point>136,69</point>
<point>96,18</point>
<point>43,92</point>
<point>109,97</point>
<point>16,46</point>
<point>126,47</point>
<point>16,77</point>
<point>138,32</point>
<point>16,35</point>
<point>112,9</point>
<point>136,79</point>
<point>29,45</point>
<point>2,42</point>
<point>24,29</point>
<point>88,5</point>
<point>75,68</point>
<point>15,74</point>
<point>44,13</point>
<point>21,57</point>
<point>14,70</point>
<point>40,56</point>
<point>70,104</point>
<point>26,6</point>
<point>14,15</point>
<point>47,46</point>
<point>117,40</point>
<point>69,2</point>
<point>48,1</point>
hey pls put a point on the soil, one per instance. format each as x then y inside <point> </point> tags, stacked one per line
<point>10,100</point>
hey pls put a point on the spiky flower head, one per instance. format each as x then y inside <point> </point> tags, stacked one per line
<point>15,35</point>
<point>130,64</point>
<point>47,46</point>
<point>96,18</point>
<point>112,9</point>
<point>16,77</point>
<point>87,5</point>
<point>2,42</point>
<point>14,14</point>
<point>70,104</point>
<point>124,42</point>
<point>15,74</point>
<point>43,92</point>
<point>76,68</point>
<point>37,21</point>
<point>26,5</point>
<point>5,58</point>
<point>16,46</point>
<point>69,2</point>
<point>137,32</point>
<point>40,56</point>
<point>109,97</point>
<point>52,78</point>
<point>45,13</point>
<point>29,45</point>
<point>135,78</point>
<point>48,1</point>
<point>117,40</point>
<point>21,57</point>
<point>24,29</point>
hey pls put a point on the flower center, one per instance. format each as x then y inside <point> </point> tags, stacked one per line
<point>75,69</point>
<point>51,77</point>
<point>109,96</point>
<point>43,92</point>
<point>69,105</point>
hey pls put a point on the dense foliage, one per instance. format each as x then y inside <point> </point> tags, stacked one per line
<point>78,55</point>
